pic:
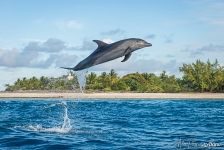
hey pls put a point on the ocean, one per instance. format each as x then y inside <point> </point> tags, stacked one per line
<point>111,124</point>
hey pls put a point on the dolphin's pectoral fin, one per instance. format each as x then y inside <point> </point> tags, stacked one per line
<point>126,57</point>
<point>126,51</point>
<point>100,43</point>
<point>127,54</point>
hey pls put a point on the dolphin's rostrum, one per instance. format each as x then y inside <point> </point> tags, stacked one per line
<point>106,52</point>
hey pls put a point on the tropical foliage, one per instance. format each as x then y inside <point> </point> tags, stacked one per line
<point>203,77</point>
<point>197,77</point>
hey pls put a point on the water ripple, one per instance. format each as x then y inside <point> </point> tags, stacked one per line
<point>124,124</point>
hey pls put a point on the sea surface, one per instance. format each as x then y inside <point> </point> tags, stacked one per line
<point>111,124</point>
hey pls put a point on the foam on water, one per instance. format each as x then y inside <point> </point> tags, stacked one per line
<point>39,128</point>
<point>65,128</point>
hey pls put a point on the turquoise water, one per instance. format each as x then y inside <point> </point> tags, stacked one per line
<point>111,124</point>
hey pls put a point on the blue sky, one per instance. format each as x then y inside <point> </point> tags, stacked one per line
<point>37,37</point>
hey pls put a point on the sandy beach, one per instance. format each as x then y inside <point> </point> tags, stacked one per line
<point>113,95</point>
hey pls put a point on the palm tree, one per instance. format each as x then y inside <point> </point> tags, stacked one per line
<point>113,77</point>
<point>91,78</point>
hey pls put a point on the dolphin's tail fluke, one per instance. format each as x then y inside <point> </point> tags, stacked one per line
<point>67,68</point>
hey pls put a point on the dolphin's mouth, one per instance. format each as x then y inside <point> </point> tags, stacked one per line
<point>147,44</point>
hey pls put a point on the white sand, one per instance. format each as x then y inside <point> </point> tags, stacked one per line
<point>113,95</point>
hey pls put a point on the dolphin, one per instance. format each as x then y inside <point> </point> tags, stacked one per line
<point>107,52</point>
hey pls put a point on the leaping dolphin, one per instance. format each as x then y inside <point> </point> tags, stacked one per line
<point>107,52</point>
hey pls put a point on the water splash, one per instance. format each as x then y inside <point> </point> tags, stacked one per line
<point>65,128</point>
<point>81,76</point>
<point>67,122</point>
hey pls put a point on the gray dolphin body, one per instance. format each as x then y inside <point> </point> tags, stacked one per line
<point>107,52</point>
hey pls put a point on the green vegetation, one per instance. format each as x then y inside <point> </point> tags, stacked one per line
<point>197,77</point>
<point>43,83</point>
<point>203,77</point>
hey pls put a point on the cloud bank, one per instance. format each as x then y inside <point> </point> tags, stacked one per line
<point>57,53</point>
<point>208,48</point>
<point>52,52</point>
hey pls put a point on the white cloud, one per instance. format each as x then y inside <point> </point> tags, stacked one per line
<point>51,45</point>
<point>108,40</point>
<point>113,32</point>
<point>16,58</point>
<point>69,24</point>
<point>211,48</point>
<point>8,57</point>
<point>63,60</point>
<point>38,55</point>
<point>150,36</point>
<point>87,45</point>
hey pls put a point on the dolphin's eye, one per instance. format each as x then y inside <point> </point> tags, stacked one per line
<point>139,42</point>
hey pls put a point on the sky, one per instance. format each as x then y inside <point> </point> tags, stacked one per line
<point>38,37</point>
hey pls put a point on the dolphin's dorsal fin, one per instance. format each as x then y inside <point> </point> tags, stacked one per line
<point>100,43</point>
<point>126,57</point>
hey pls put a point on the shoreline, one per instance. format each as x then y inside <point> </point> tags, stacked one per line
<point>69,95</point>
